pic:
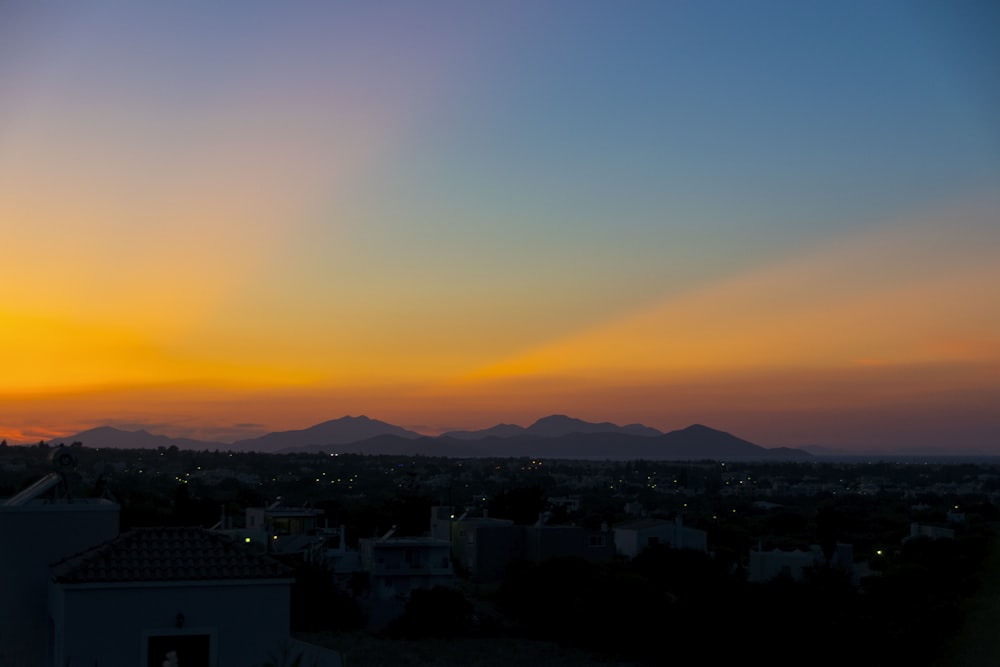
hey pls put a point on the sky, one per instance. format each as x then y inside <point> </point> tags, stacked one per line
<point>778,219</point>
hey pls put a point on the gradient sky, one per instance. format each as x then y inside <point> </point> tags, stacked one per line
<point>779,219</point>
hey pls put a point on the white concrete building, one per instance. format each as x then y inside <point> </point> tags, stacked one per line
<point>39,525</point>
<point>398,565</point>
<point>153,595</point>
<point>634,536</point>
<point>277,529</point>
<point>767,565</point>
<point>933,532</point>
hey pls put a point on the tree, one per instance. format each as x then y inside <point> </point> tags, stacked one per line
<point>522,505</point>
<point>318,605</point>
<point>829,524</point>
<point>440,612</point>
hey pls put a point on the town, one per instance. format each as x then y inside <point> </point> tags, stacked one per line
<point>346,555</point>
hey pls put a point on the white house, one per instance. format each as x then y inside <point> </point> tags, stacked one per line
<point>483,546</point>
<point>398,565</point>
<point>168,596</point>
<point>634,536</point>
<point>287,531</point>
<point>767,565</point>
<point>39,525</point>
<point>933,532</point>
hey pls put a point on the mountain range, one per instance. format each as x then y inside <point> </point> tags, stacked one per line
<point>554,436</point>
<point>553,426</point>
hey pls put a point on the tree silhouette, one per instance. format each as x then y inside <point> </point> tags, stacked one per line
<point>440,611</point>
<point>829,525</point>
<point>522,505</point>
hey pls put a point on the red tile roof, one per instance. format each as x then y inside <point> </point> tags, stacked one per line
<point>168,554</point>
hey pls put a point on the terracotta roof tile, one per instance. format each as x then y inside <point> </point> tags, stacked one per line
<point>168,554</point>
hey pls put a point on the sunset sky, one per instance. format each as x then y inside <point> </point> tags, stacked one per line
<point>778,219</point>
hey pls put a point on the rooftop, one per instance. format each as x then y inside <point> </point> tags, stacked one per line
<point>293,512</point>
<point>407,541</point>
<point>167,554</point>
<point>639,524</point>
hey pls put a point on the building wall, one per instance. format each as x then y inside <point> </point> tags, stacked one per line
<point>630,541</point>
<point>483,547</point>
<point>283,530</point>
<point>627,542</point>
<point>933,532</point>
<point>111,625</point>
<point>441,519</point>
<point>32,537</point>
<point>690,538</point>
<point>766,565</point>
<point>545,542</point>
<point>486,549</point>
<point>489,549</point>
<point>398,566</point>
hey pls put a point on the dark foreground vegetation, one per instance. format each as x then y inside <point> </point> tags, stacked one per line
<point>670,605</point>
<point>912,601</point>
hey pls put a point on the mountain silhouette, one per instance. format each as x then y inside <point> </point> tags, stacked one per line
<point>498,431</point>
<point>697,438</point>
<point>696,442</point>
<point>553,426</point>
<point>334,432</point>
<point>109,436</point>
<point>554,437</point>
<point>560,425</point>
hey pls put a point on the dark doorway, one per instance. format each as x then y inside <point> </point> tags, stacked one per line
<point>178,651</point>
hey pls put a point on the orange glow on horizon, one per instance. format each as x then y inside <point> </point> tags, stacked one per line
<point>869,323</point>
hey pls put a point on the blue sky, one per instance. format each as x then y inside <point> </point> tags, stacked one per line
<point>368,203</point>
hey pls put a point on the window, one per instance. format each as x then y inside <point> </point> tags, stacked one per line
<point>597,541</point>
<point>282,527</point>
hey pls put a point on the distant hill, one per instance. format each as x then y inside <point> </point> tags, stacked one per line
<point>553,426</point>
<point>108,436</point>
<point>696,439</point>
<point>554,437</point>
<point>334,432</point>
<point>498,431</point>
<point>393,445</point>
<point>695,442</point>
